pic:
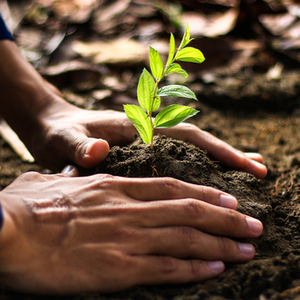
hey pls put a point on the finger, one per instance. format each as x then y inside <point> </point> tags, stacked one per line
<point>166,188</point>
<point>143,225</point>
<point>166,269</point>
<point>218,149</point>
<point>89,152</point>
<point>70,171</point>
<point>254,156</point>
<point>256,168</point>
<point>72,144</point>
<point>232,157</point>
<point>195,214</point>
<point>183,242</point>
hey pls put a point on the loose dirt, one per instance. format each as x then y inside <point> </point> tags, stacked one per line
<point>275,271</point>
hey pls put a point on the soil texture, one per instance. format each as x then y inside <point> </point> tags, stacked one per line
<point>274,273</point>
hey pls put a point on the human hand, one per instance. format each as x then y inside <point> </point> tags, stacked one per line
<point>219,150</point>
<point>58,133</point>
<point>74,135</point>
<point>102,233</point>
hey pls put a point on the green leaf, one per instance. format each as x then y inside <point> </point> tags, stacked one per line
<point>186,38</point>
<point>145,90</point>
<point>176,91</point>
<point>172,50</point>
<point>141,121</point>
<point>156,103</point>
<point>173,115</point>
<point>176,68</point>
<point>190,54</point>
<point>156,64</point>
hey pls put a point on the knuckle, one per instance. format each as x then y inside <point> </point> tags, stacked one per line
<point>193,208</point>
<point>107,181</point>
<point>223,245</point>
<point>194,266</point>
<point>203,191</point>
<point>55,134</point>
<point>106,177</point>
<point>167,264</point>
<point>188,235</point>
<point>126,234</point>
<point>171,185</point>
<point>190,127</point>
<point>129,233</point>
<point>232,220</point>
<point>32,176</point>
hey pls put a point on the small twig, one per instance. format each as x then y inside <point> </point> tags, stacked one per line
<point>15,143</point>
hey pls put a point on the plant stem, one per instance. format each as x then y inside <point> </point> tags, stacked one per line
<point>155,95</point>
<point>150,112</point>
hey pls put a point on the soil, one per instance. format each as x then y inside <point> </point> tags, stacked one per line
<point>274,273</point>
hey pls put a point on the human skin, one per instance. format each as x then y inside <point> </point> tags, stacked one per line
<point>111,232</point>
<point>58,133</point>
<point>105,233</point>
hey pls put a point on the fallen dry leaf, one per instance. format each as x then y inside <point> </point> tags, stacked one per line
<point>118,51</point>
<point>101,94</point>
<point>69,66</point>
<point>210,25</point>
<point>107,17</point>
<point>79,74</point>
<point>278,23</point>
<point>78,11</point>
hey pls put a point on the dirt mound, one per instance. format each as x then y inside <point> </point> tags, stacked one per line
<point>274,271</point>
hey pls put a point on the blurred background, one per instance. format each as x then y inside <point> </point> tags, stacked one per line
<point>94,50</point>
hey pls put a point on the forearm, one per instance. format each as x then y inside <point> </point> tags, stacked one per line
<point>25,96</point>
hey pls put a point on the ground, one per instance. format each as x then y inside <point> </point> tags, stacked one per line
<point>248,91</point>
<point>274,273</point>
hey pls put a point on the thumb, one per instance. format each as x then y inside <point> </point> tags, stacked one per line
<point>90,152</point>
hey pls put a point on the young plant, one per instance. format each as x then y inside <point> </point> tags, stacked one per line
<point>149,94</point>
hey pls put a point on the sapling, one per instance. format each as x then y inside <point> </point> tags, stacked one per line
<point>149,94</point>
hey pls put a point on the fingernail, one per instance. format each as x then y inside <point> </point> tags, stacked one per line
<point>254,225</point>
<point>228,201</point>
<point>69,170</point>
<point>1,217</point>
<point>217,266</point>
<point>247,249</point>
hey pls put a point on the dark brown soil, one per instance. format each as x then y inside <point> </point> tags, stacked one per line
<point>276,262</point>
<point>275,271</point>
<point>239,104</point>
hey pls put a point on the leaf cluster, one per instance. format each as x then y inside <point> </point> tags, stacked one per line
<point>149,94</point>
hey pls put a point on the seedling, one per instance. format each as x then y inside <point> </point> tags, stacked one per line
<point>149,94</point>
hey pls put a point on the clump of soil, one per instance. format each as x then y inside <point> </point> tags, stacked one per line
<point>274,271</point>
<point>183,161</point>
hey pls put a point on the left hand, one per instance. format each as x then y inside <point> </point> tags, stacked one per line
<point>83,137</point>
<point>58,133</point>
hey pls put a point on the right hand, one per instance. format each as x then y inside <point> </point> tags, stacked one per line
<point>102,233</point>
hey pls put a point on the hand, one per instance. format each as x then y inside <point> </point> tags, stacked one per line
<point>83,136</point>
<point>219,150</point>
<point>102,233</point>
<point>58,133</point>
